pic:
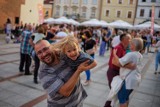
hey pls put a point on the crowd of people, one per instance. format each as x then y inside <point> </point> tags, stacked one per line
<point>62,52</point>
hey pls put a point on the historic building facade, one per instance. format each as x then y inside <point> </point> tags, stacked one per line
<point>119,9</point>
<point>10,9</point>
<point>77,9</point>
<point>47,8</point>
<point>144,11</point>
<point>31,11</point>
<point>19,11</point>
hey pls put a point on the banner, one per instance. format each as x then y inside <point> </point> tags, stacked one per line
<point>152,20</point>
<point>40,13</point>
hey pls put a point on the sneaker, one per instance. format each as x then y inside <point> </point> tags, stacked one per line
<point>155,73</point>
<point>158,72</point>
<point>87,82</point>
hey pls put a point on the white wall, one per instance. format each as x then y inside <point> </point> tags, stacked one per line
<point>30,17</point>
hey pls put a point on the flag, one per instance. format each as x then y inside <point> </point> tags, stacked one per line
<point>152,20</point>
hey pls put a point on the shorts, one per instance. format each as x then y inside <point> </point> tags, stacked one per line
<point>123,94</point>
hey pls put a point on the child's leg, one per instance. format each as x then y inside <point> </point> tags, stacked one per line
<point>88,73</point>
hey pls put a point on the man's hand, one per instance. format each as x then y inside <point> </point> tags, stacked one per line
<point>131,66</point>
<point>83,66</point>
<point>115,59</point>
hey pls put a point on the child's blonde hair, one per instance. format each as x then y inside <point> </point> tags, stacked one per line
<point>69,41</point>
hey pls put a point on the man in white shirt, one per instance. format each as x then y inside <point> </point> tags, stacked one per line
<point>61,33</point>
<point>116,39</point>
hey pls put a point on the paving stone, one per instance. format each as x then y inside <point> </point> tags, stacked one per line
<point>140,103</point>
<point>4,94</point>
<point>7,84</point>
<point>41,104</point>
<point>28,81</point>
<point>8,70</point>
<point>142,97</point>
<point>17,100</point>
<point>32,93</point>
<point>4,104</point>
<point>11,57</point>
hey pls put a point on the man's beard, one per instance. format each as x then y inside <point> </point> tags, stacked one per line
<point>52,56</point>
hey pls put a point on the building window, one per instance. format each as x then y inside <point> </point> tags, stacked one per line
<point>16,20</point>
<point>59,1</point>
<point>46,14</point>
<point>143,0</point>
<point>84,10</point>
<point>108,1</point>
<point>74,10</point>
<point>153,0</point>
<point>130,1</point>
<point>66,1</point>
<point>75,1</point>
<point>93,12</point>
<point>119,1</point>
<point>107,13</point>
<point>129,15</point>
<point>141,12</point>
<point>118,14</point>
<point>65,11</point>
<point>85,1</point>
<point>57,10</point>
<point>94,2</point>
<point>150,13</point>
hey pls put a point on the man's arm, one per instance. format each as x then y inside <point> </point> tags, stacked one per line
<point>116,62</point>
<point>68,87</point>
<point>131,66</point>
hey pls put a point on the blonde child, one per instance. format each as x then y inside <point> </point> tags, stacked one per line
<point>71,53</point>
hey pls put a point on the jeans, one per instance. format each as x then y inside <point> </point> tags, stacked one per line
<point>88,73</point>
<point>102,48</point>
<point>157,61</point>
